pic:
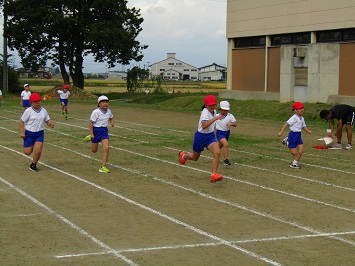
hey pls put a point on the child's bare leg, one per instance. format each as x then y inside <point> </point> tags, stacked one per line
<point>224,144</point>
<point>214,148</point>
<point>94,147</point>
<point>300,152</point>
<point>194,156</point>
<point>38,151</point>
<point>105,151</point>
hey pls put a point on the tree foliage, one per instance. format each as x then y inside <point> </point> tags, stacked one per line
<point>135,78</point>
<point>65,31</point>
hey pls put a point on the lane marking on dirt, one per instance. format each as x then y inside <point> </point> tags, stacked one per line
<point>63,219</point>
<point>22,215</point>
<point>144,207</point>
<point>213,198</point>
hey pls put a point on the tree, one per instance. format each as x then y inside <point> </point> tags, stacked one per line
<point>13,81</point>
<point>135,77</point>
<point>65,31</point>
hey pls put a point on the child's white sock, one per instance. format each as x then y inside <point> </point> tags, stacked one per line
<point>295,162</point>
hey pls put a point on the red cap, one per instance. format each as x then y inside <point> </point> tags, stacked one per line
<point>210,100</point>
<point>35,97</point>
<point>66,87</point>
<point>297,105</point>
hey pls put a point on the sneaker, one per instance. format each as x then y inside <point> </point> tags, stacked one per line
<point>62,113</point>
<point>87,138</point>
<point>348,146</point>
<point>216,177</point>
<point>66,117</point>
<point>181,159</point>
<point>295,166</point>
<point>337,146</point>
<point>227,162</point>
<point>285,141</point>
<point>104,169</point>
<point>33,167</point>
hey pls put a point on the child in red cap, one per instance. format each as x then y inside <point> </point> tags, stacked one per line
<point>32,129</point>
<point>294,141</point>
<point>205,138</point>
<point>64,96</point>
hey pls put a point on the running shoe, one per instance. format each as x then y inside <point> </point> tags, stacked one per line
<point>181,159</point>
<point>348,146</point>
<point>285,141</point>
<point>295,166</point>
<point>104,169</point>
<point>337,146</point>
<point>87,138</point>
<point>216,177</point>
<point>33,167</point>
<point>66,117</point>
<point>227,162</point>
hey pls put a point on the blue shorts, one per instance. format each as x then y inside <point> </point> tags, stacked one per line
<point>202,140</point>
<point>220,134</point>
<point>100,133</point>
<point>32,137</point>
<point>294,139</point>
<point>65,101</point>
<point>26,103</point>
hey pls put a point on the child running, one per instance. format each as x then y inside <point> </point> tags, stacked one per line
<point>295,143</point>
<point>32,129</point>
<point>204,137</point>
<point>99,120</point>
<point>25,97</point>
<point>64,95</point>
<point>223,129</point>
<point>1,98</point>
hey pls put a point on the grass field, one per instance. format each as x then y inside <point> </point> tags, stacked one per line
<point>151,210</point>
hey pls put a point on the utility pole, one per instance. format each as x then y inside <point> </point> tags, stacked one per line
<point>4,71</point>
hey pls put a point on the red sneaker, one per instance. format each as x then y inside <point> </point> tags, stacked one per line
<point>181,159</point>
<point>216,177</point>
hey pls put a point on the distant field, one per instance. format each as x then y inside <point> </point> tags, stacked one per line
<point>110,86</point>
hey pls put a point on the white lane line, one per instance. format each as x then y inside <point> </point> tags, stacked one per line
<point>71,224</point>
<point>21,215</point>
<point>304,154</point>
<point>144,207</point>
<point>266,215</point>
<point>313,165</point>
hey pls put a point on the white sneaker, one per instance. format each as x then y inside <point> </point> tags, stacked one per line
<point>348,146</point>
<point>295,166</point>
<point>285,141</point>
<point>337,146</point>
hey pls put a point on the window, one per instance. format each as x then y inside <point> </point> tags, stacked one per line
<point>343,35</point>
<point>170,64</point>
<point>162,69</point>
<point>179,64</point>
<point>293,38</point>
<point>186,69</point>
<point>250,42</point>
<point>193,69</point>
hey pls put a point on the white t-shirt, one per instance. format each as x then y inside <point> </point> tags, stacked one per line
<point>25,95</point>
<point>64,95</point>
<point>100,118</point>
<point>206,116</point>
<point>222,123</point>
<point>34,120</point>
<point>0,93</point>
<point>296,123</point>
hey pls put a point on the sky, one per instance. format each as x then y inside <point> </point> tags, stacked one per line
<point>193,29</point>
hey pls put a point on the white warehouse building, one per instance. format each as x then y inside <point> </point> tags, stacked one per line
<point>174,69</point>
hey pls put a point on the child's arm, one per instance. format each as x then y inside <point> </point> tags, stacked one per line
<point>22,129</point>
<point>209,122</point>
<point>111,122</point>
<point>50,123</point>
<point>91,126</point>
<point>282,130</point>
<point>307,130</point>
<point>230,124</point>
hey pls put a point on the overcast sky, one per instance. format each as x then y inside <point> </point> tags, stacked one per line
<point>193,29</point>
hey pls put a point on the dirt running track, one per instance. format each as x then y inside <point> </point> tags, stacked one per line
<point>150,210</point>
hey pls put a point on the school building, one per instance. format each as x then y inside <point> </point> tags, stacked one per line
<point>299,50</point>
